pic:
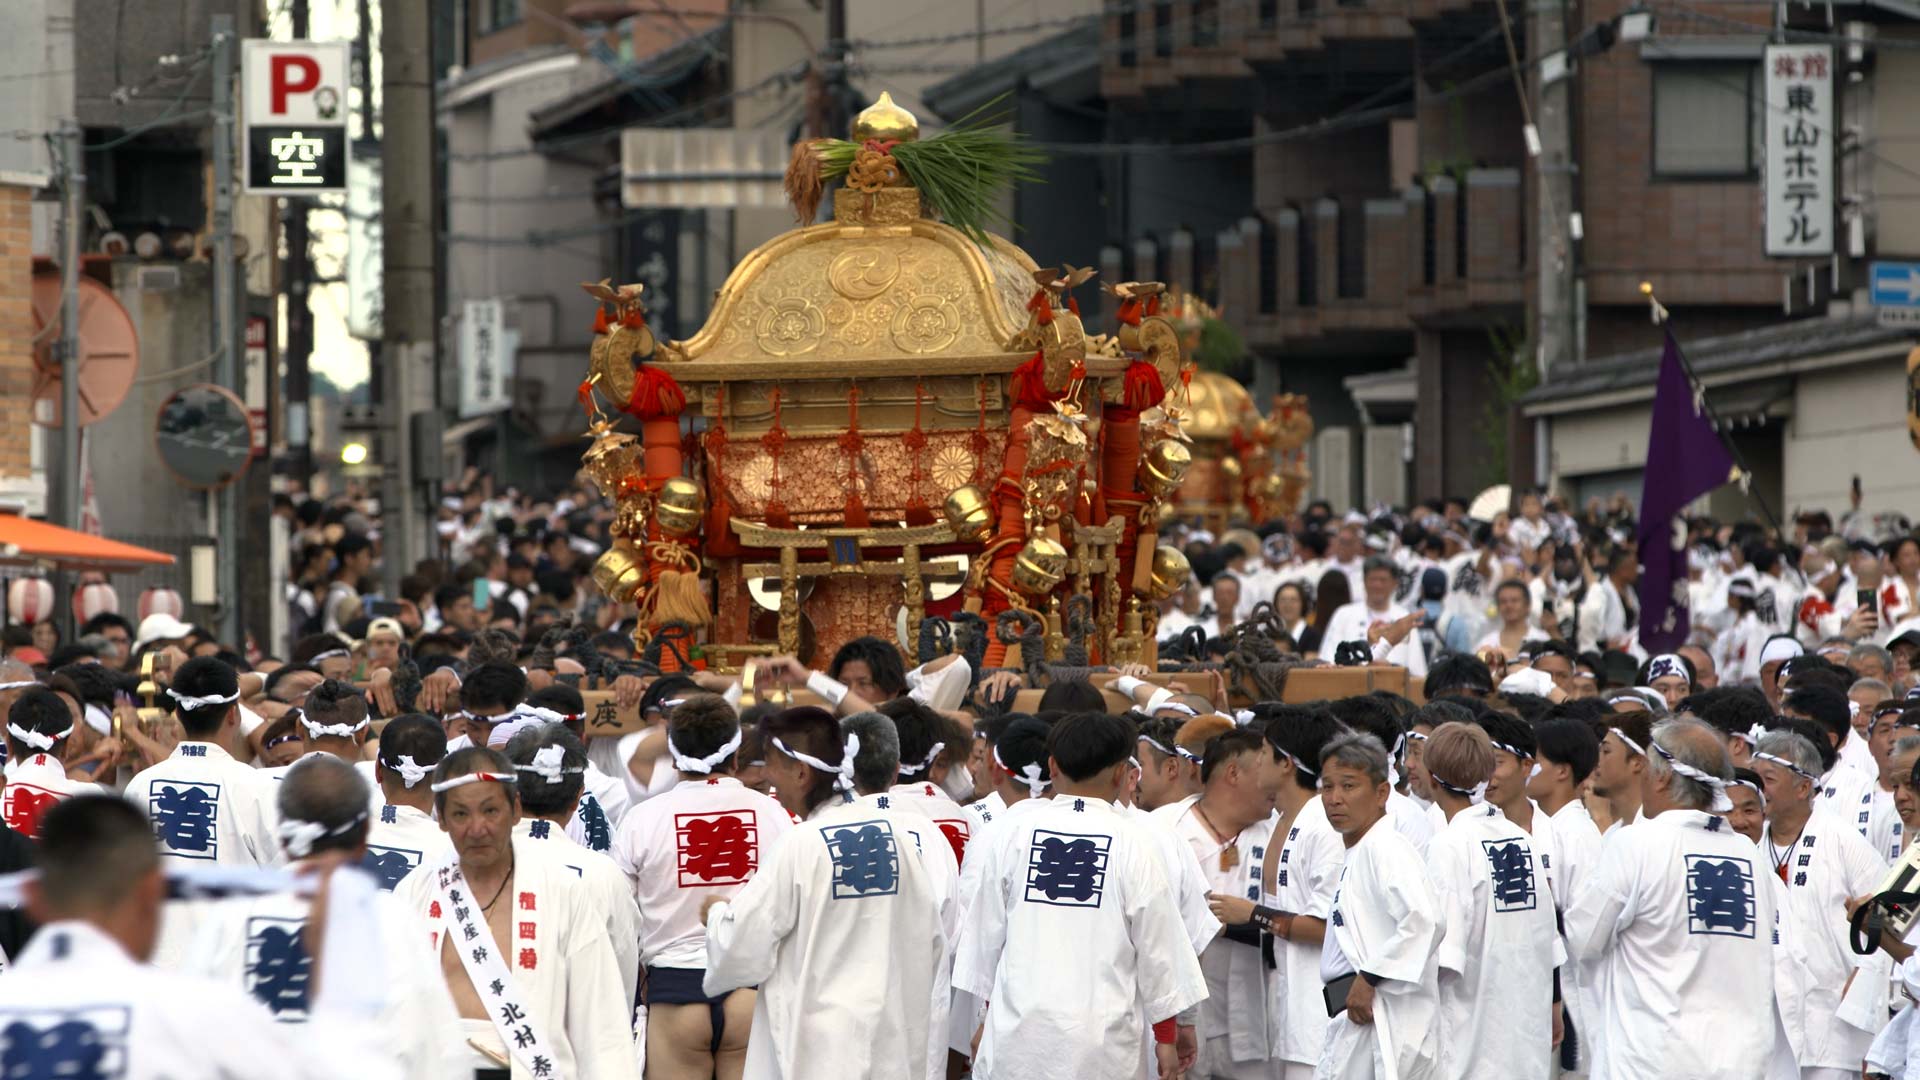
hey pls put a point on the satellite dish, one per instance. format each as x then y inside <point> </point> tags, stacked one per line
<point>109,351</point>
<point>204,436</point>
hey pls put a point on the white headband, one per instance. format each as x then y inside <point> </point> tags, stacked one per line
<point>1634,746</point>
<point>1301,766</point>
<point>1155,743</point>
<point>411,772</point>
<point>1752,735</point>
<point>188,702</point>
<point>328,655</point>
<point>1176,706</point>
<point>535,712</point>
<point>34,738</point>
<point>473,778</point>
<point>547,764</point>
<point>1667,664</point>
<point>1720,804</point>
<point>1030,772</point>
<point>21,685</point>
<point>1477,796</point>
<point>1514,750</point>
<point>703,765</point>
<point>1751,786</point>
<point>1780,648</point>
<point>1243,717</point>
<point>843,776</point>
<point>340,731</point>
<point>925,765</point>
<point>99,719</point>
<point>298,837</point>
<point>1787,765</point>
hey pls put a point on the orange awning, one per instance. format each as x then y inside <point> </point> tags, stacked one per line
<point>25,542</point>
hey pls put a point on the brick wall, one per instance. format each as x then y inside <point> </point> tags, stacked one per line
<point>16,332</point>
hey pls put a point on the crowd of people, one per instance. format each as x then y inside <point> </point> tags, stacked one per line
<point>399,843</point>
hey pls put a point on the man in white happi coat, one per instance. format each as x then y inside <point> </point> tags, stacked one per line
<point>923,769</point>
<point>1620,770</point>
<point>204,806</point>
<point>552,764</point>
<point>258,944</point>
<point>1073,939</point>
<point>1824,862</point>
<point>1302,873</point>
<point>1373,611</point>
<point>863,886</point>
<point>1229,831</point>
<point>333,722</point>
<point>39,731</point>
<point>1565,752</point>
<point>83,1000</point>
<point>403,834</point>
<point>705,836</point>
<point>523,952</point>
<point>1675,924</point>
<point>1500,943</point>
<point>1377,962</point>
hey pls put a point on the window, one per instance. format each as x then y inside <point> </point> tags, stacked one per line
<point>499,14</point>
<point>1707,120</point>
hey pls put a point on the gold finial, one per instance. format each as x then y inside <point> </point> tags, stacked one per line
<point>883,121</point>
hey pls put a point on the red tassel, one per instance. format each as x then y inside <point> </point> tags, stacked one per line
<point>656,395</point>
<point>1029,386</point>
<point>1073,305</point>
<point>1153,305</point>
<point>633,319</point>
<point>1042,307</point>
<point>585,393</point>
<point>1143,388</point>
<point>1130,312</point>
<point>600,320</point>
<point>856,511</point>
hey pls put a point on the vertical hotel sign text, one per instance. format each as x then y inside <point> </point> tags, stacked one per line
<point>1798,122</point>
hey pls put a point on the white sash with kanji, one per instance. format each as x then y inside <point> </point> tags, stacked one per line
<point>491,976</point>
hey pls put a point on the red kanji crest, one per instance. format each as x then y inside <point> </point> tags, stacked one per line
<point>956,833</point>
<point>24,806</point>
<point>526,931</point>
<point>526,901</point>
<point>528,959</point>
<point>433,909</point>
<point>716,849</point>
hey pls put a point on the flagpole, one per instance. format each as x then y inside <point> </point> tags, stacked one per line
<point>1662,319</point>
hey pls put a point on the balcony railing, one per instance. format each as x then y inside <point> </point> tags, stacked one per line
<point>1376,264</point>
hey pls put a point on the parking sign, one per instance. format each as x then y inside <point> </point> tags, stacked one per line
<point>295,113</point>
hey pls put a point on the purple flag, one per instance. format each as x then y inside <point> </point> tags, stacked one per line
<point>1685,460</point>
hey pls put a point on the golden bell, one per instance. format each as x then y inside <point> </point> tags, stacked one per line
<point>1169,573</point>
<point>1040,567</point>
<point>678,507</point>
<point>1166,465</point>
<point>620,573</point>
<point>1267,486</point>
<point>968,514</point>
<point>1230,468</point>
<point>1164,515</point>
<point>883,121</point>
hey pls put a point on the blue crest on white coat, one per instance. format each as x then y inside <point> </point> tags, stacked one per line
<point>186,817</point>
<point>65,1044</point>
<point>866,859</point>
<point>1067,869</point>
<point>277,966</point>
<point>1720,895</point>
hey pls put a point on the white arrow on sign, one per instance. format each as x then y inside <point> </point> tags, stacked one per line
<point>1898,279</point>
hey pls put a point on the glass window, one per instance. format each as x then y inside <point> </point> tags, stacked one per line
<point>1706,119</point>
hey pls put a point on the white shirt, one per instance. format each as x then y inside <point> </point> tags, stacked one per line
<point>1675,920</point>
<point>1350,622</point>
<point>843,930</point>
<point>1072,938</point>
<point>1841,790</point>
<point>607,891</point>
<point>1311,857</point>
<point>957,823</point>
<point>400,839</point>
<point>1500,947</point>
<point>989,807</point>
<point>1234,1015</point>
<point>562,963</point>
<point>1385,921</point>
<point>255,944</point>
<point>1855,752</point>
<point>1412,820</point>
<point>945,689</point>
<point>34,784</point>
<point>1829,864</point>
<point>91,1010</point>
<point>1576,841</point>
<point>703,838</point>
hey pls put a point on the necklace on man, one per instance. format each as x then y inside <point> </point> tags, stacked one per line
<point>501,891</point>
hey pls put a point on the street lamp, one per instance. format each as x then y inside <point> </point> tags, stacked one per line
<point>353,453</point>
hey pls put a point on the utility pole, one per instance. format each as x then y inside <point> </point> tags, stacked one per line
<point>408,328</point>
<point>73,187</point>
<point>1555,330</point>
<point>227,369</point>
<point>299,279</point>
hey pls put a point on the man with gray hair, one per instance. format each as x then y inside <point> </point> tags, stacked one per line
<point>256,943</point>
<point>1870,661</point>
<point>552,764</point>
<point>845,929</point>
<point>1676,922</point>
<point>1824,862</point>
